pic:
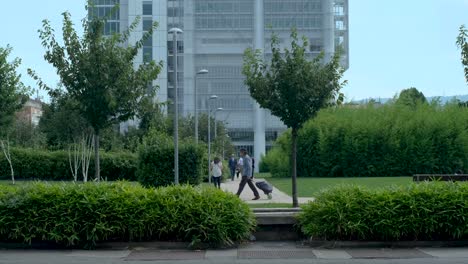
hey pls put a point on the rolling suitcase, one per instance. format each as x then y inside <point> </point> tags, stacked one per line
<point>265,187</point>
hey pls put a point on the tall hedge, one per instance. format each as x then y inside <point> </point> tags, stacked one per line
<point>156,161</point>
<point>54,165</point>
<point>425,211</point>
<point>380,141</point>
<point>81,215</point>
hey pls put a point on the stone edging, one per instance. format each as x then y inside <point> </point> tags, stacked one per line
<point>383,244</point>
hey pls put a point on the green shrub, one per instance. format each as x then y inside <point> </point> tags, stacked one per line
<point>425,211</point>
<point>378,141</point>
<point>80,215</point>
<point>54,165</point>
<point>156,161</point>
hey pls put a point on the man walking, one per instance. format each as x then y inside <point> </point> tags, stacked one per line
<point>247,175</point>
<point>232,166</point>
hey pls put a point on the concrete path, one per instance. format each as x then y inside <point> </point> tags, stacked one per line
<point>258,253</point>
<point>247,194</point>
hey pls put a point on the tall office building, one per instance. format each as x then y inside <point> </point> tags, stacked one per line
<point>215,35</point>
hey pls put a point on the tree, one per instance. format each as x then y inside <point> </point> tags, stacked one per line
<point>292,87</point>
<point>12,97</point>
<point>411,97</point>
<point>463,45</point>
<point>98,72</point>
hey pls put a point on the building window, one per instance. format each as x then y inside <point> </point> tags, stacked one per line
<point>147,8</point>
<point>147,54</point>
<point>147,24</point>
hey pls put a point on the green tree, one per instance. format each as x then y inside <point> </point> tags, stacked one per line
<point>292,87</point>
<point>463,45</point>
<point>98,72</point>
<point>411,97</point>
<point>13,94</point>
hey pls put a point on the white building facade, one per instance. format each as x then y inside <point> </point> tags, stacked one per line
<point>216,33</point>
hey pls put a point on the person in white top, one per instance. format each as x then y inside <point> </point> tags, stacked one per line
<point>216,172</point>
<point>240,166</point>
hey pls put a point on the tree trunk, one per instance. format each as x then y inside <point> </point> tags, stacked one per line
<point>294,167</point>
<point>97,168</point>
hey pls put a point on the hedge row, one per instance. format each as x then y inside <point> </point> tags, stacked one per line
<point>378,141</point>
<point>54,165</point>
<point>425,211</point>
<point>81,215</point>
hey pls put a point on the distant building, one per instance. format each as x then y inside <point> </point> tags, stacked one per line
<point>31,112</point>
<point>215,35</point>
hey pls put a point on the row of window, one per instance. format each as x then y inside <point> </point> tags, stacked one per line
<point>106,2</point>
<point>227,41</point>
<point>224,22</point>
<point>224,6</point>
<point>292,6</point>
<point>299,21</point>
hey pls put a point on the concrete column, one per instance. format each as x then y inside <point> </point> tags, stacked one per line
<point>328,26</point>
<point>259,114</point>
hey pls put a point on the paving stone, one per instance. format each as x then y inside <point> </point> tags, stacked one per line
<point>331,254</point>
<point>224,253</point>
<point>446,252</point>
<point>387,253</point>
<point>99,253</point>
<point>165,255</point>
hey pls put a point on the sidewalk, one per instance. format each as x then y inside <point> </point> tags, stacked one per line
<point>247,194</point>
<point>258,253</point>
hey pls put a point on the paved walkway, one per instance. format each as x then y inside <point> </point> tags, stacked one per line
<point>258,253</point>
<point>247,194</point>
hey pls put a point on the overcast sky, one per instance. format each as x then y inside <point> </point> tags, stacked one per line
<point>393,44</point>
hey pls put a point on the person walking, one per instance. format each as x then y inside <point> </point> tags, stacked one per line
<point>253,167</point>
<point>247,175</point>
<point>232,166</point>
<point>216,172</point>
<point>240,165</point>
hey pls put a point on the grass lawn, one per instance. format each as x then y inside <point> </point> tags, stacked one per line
<point>308,187</point>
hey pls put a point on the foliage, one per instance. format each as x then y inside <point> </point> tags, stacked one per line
<point>25,135</point>
<point>156,161</point>
<point>12,91</point>
<point>463,45</point>
<point>291,86</point>
<point>411,97</point>
<point>81,215</point>
<point>98,72</point>
<point>382,141</point>
<point>54,165</point>
<point>425,211</point>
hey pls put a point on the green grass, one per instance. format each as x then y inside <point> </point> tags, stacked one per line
<point>309,187</point>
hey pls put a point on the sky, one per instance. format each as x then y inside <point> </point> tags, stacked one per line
<point>394,44</point>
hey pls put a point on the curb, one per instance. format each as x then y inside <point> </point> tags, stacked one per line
<point>383,244</point>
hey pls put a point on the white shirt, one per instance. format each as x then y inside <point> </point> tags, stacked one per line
<point>216,169</point>
<point>240,162</point>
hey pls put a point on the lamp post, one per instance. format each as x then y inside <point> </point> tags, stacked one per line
<point>213,97</point>
<point>216,122</point>
<point>174,32</point>
<point>195,110</point>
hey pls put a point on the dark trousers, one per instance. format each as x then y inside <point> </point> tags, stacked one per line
<point>247,180</point>
<point>216,181</point>
<point>233,172</point>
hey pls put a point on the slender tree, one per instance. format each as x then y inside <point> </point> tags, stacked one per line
<point>13,94</point>
<point>98,72</point>
<point>463,45</point>
<point>293,87</point>
<point>411,97</point>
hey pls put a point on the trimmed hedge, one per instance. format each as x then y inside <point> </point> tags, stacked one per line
<point>378,141</point>
<point>156,162</point>
<point>425,211</point>
<point>80,215</point>
<point>54,165</point>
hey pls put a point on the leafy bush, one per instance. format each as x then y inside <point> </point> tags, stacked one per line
<point>81,215</point>
<point>390,140</point>
<point>156,161</point>
<point>54,165</point>
<point>425,211</point>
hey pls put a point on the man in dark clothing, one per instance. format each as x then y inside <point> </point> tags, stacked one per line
<point>253,167</point>
<point>232,166</point>
<point>247,175</point>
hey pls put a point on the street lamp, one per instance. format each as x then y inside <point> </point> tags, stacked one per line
<point>202,71</point>
<point>216,122</point>
<point>174,32</point>
<point>213,97</point>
